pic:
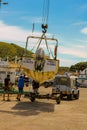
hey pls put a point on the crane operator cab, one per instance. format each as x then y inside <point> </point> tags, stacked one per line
<point>67,85</point>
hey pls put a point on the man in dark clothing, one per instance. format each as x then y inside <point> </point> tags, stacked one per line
<point>6,87</point>
<point>35,85</point>
<point>76,83</point>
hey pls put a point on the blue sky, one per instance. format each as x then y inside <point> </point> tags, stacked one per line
<point>67,22</point>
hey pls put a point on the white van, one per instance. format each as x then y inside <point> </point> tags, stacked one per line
<point>67,85</point>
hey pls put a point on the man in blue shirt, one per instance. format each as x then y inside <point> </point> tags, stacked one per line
<point>20,87</point>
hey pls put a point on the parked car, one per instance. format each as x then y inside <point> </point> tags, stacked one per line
<point>67,85</point>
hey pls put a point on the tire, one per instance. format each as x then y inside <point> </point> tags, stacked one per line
<point>71,96</point>
<point>58,100</point>
<point>77,95</point>
<point>32,99</point>
<point>61,95</point>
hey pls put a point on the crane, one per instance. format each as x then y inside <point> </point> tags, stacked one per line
<point>39,66</point>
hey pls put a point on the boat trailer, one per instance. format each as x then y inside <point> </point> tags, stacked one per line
<point>32,96</point>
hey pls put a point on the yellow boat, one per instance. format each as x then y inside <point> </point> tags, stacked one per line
<point>39,66</point>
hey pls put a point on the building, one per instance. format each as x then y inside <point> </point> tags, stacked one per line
<point>82,79</point>
<point>7,67</point>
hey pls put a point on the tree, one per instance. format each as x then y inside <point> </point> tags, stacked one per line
<point>79,66</point>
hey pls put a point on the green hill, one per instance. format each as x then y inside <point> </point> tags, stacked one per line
<point>11,50</point>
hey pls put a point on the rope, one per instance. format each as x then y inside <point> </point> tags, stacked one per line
<point>51,52</point>
<point>35,46</point>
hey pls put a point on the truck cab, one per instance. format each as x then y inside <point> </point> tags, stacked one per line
<point>67,85</point>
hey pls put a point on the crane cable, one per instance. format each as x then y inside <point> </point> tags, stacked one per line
<point>45,15</point>
<point>45,12</point>
<point>45,20</point>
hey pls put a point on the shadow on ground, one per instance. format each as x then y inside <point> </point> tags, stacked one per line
<point>30,108</point>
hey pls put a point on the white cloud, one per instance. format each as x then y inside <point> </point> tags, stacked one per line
<point>65,62</point>
<point>32,19</point>
<point>81,41</point>
<point>13,33</point>
<point>84,30</point>
<point>78,51</point>
<point>80,23</point>
<point>84,6</point>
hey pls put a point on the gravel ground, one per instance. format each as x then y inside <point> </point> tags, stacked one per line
<point>44,114</point>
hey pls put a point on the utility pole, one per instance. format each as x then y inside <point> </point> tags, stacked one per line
<point>4,3</point>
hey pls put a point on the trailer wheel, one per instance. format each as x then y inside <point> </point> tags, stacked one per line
<point>32,99</point>
<point>70,96</point>
<point>77,95</point>
<point>58,100</point>
<point>61,95</point>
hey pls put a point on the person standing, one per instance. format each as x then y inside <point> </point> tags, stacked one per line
<point>20,87</point>
<point>6,87</point>
<point>76,83</point>
<point>35,85</point>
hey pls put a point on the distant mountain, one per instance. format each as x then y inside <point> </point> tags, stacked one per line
<point>11,50</point>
